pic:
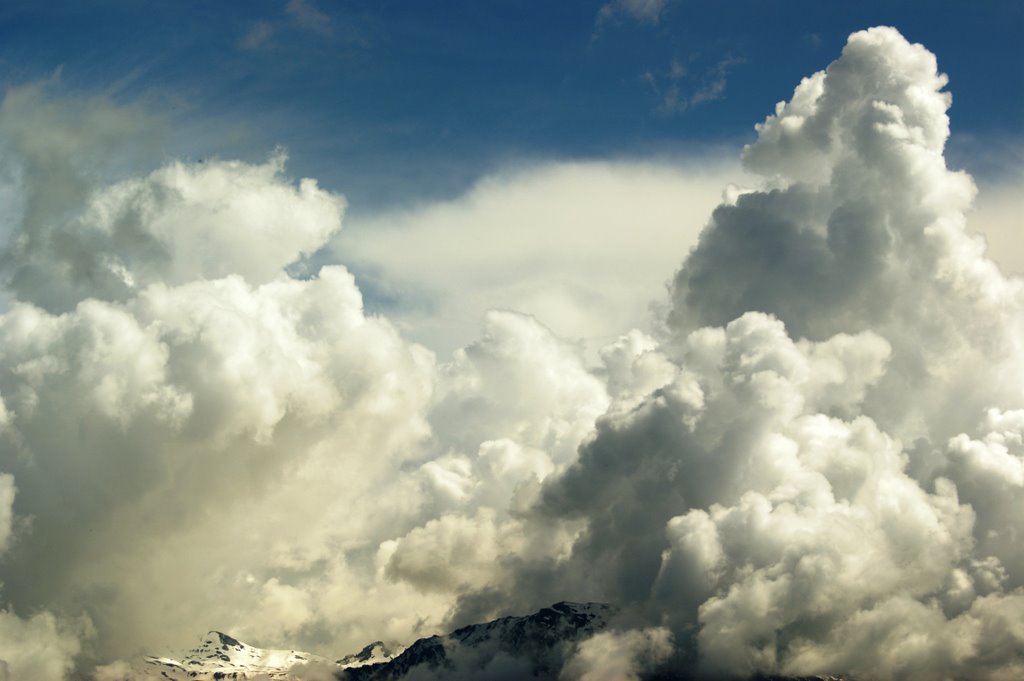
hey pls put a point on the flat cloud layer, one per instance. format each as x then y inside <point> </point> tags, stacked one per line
<point>815,464</point>
<point>584,246</point>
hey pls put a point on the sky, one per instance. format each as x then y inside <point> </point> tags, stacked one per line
<point>330,322</point>
<point>393,102</point>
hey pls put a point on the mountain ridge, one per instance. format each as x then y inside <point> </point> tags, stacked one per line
<point>534,646</point>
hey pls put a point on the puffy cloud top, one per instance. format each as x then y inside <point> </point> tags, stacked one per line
<point>178,224</point>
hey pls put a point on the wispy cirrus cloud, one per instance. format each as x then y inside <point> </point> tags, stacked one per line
<point>297,14</point>
<point>678,89</point>
<point>642,11</point>
<point>258,35</point>
<point>307,16</point>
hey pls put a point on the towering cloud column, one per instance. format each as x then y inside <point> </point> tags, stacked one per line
<point>806,494</point>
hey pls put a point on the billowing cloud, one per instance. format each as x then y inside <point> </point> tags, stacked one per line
<point>179,224</point>
<point>7,492</point>
<point>862,205</point>
<point>197,436</point>
<point>618,655</point>
<point>811,464</point>
<point>171,395</point>
<point>806,495</point>
<point>39,647</point>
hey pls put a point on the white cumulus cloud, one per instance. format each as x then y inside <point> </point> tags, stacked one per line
<point>810,463</point>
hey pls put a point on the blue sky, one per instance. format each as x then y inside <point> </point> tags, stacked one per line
<point>395,102</point>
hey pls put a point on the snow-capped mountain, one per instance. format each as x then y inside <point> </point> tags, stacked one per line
<point>220,656</point>
<point>533,646</point>
<point>375,653</point>
<point>537,640</point>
